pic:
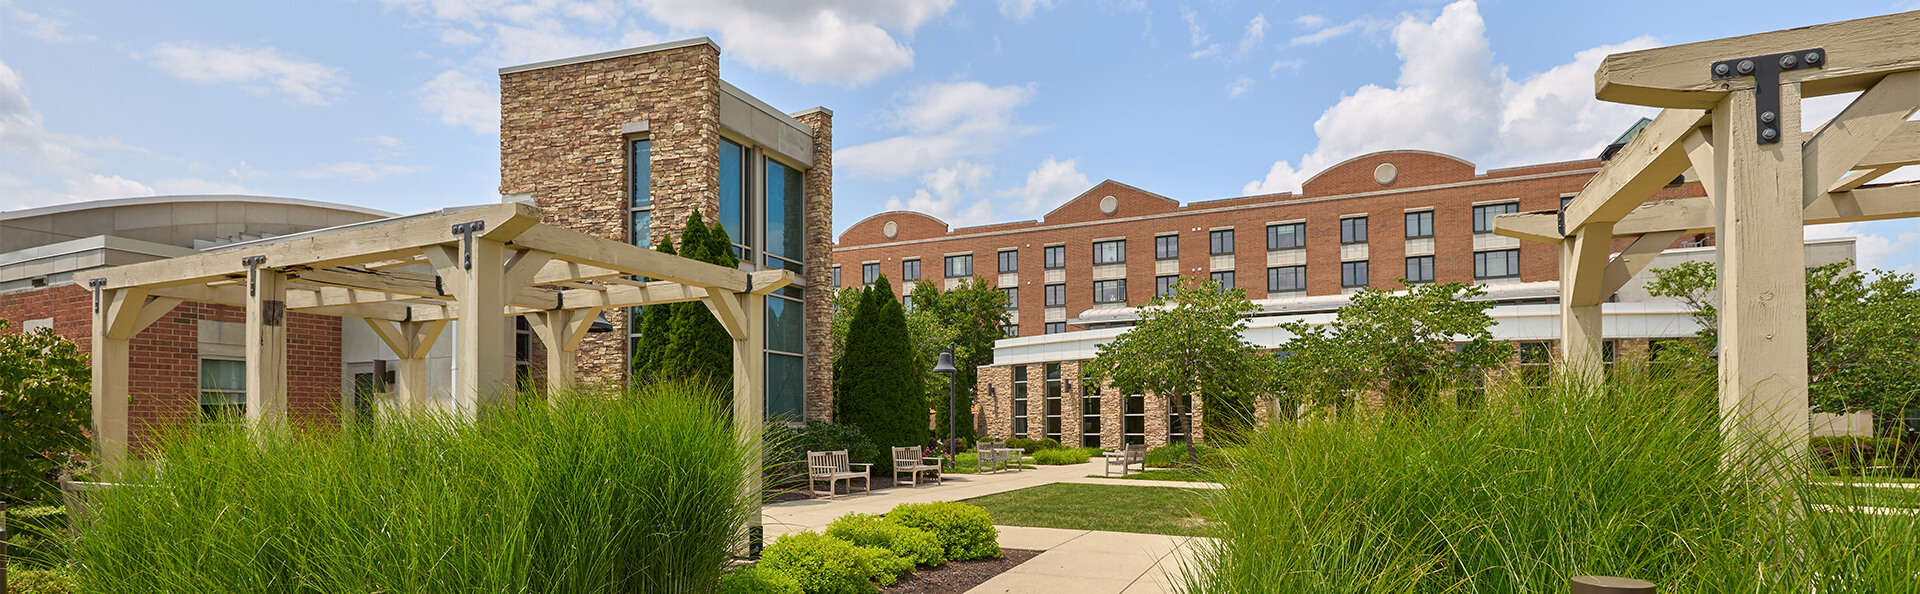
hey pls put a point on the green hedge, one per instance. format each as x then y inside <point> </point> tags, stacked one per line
<point>788,447</point>
<point>757,579</point>
<point>965,532</point>
<point>1034,445</point>
<point>823,564</point>
<point>912,544</point>
<point>1067,456</point>
<point>1850,455</point>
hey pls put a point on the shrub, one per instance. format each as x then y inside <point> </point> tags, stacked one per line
<point>40,581</point>
<point>1850,455</point>
<point>1174,455</point>
<point>912,544</point>
<point>1058,457</point>
<point>757,579</point>
<point>45,404</point>
<point>787,460</point>
<point>37,536</point>
<point>1034,445</point>
<point>825,565</point>
<point>601,492</point>
<point>965,532</point>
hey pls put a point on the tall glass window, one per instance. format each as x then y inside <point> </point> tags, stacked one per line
<point>1110,252</point>
<point>786,356</point>
<point>1420,269</point>
<point>1220,243</point>
<point>1009,261</point>
<point>1176,422</point>
<point>1225,278</point>
<point>1133,420</point>
<point>223,387</point>
<point>960,266</point>
<point>1286,279</point>
<point>1055,256</point>
<point>733,192</point>
<point>1089,413</point>
<point>1483,215</point>
<point>910,270</point>
<point>1020,401</point>
<point>869,272</point>
<point>1053,401</point>
<point>1353,230</point>
<point>1013,297</point>
<point>786,232</point>
<point>1056,295</point>
<point>1286,236</point>
<point>1420,224</point>
<point>1163,285</point>
<point>836,276</point>
<point>640,192</point>
<point>1353,274</point>
<point>1166,247</point>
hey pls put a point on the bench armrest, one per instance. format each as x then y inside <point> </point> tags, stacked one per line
<point>868,465</point>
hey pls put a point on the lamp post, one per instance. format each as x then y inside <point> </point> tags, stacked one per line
<point>945,367</point>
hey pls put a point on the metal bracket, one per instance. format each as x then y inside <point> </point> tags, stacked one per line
<point>1765,71</point>
<point>97,284</point>
<point>1560,216</point>
<point>466,231</point>
<point>253,273</point>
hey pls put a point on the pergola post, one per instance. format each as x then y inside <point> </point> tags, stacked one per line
<point>744,316</point>
<point>476,271</point>
<point>1762,272</point>
<point>114,311</point>
<point>561,330</point>
<point>266,347</point>
<point>410,343</point>
<point>1583,267</point>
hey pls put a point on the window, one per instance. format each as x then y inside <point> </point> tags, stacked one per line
<point>1056,327</point>
<point>1166,247</point>
<point>1536,364</point>
<point>733,193</point>
<point>1286,236</point>
<point>1564,201</point>
<point>836,276</point>
<point>640,192</point>
<point>960,266</point>
<point>1055,256</point>
<point>1089,413</point>
<point>1353,230</point>
<point>1109,252</point>
<point>223,387</point>
<point>1056,295</point>
<point>1054,389</point>
<point>1420,224</point>
<point>1419,269</point>
<point>1353,274</point>
<point>1220,243</point>
<point>910,270</point>
<point>1496,264</point>
<point>1133,419</point>
<point>1020,401</point>
<point>1010,330</point>
<point>906,302</point>
<point>1163,285</point>
<point>786,202</point>
<point>1176,425</point>
<point>1009,261</point>
<point>1286,278</point>
<point>1225,278</point>
<point>786,368</point>
<point>1483,215</point>
<point>869,273</point>
<point>1110,291</point>
<point>1013,297</point>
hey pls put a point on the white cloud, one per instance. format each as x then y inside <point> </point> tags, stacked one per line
<point>1021,10</point>
<point>846,42</point>
<point>1452,97</point>
<point>386,147</point>
<point>44,28</point>
<point>1239,87</point>
<point>462,100</point>
<point>33,158</point>
<point>1256,32</point>
<point>543,40</point>
<point>947,188</point>
<point>94,186</point>
<point>1883,245</point>
<point>1310,21</point>
<point>355,171</point>
<point>1194,30</point>
<point>1322,33</point>
<point>943,123</point>
<point>1049,184</point>
<point>304,82</point>
<point>1212,49</point>
<point>459,37</point>
<point>1293,65</point>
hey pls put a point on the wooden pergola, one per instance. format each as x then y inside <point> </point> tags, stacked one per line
<point>490,262</point>
<point>1733,114</point>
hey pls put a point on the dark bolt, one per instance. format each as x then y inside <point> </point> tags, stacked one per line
<point>1769,134</point>
<point>1767,116</point>
<point>1813,57</point>
<point>1788,61</point>
<point>1746,66</point>
<point>1722,69</point>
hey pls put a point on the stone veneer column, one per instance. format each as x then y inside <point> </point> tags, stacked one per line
<point>1113,418</point>
<point>819,292</point>
<point>997,409</point>
<point>1070,405</point>
<point>561,142</point>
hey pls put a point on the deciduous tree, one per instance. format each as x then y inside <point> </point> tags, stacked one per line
<point>45,405</point>
<point>1406,347</point>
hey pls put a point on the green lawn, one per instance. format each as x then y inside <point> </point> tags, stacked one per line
<point>1166,474</point>
<point>1863,495</point>
<point>1116,508</point>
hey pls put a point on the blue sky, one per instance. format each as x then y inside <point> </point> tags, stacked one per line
<point>973,111</point>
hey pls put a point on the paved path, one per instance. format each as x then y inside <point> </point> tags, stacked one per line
<point>1072,561</point>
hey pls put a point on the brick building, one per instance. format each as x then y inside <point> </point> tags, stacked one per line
<point>1074,277</point>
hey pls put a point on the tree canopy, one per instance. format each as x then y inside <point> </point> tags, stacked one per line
<point>877,385</point>
<point>46,405</point>
<point>969,319</point>
<point>683,340</point>
<point>1405,347</point>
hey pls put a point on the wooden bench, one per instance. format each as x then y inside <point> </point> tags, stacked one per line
<point>991,454</point>
<point>1126,458</point>
<point>834,467</point>
<point>908,460</point>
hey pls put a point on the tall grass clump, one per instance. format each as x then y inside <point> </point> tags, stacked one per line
<point>1533,486</point>
<point>635,491</point>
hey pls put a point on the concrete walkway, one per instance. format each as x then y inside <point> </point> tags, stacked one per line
<point>1077,561</point>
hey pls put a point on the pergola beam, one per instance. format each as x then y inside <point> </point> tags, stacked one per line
<point>1862,50</point>
<point>1695,215</point>
<point>1872,118</point>
<point>633,260</point>
<point>1649,162</point>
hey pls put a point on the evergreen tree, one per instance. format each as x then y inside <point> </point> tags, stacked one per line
<point>878,385</point>
<point>656,322</point>
<point>698,346</point>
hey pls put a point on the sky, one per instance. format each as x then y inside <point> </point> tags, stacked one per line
<point>975,112</point>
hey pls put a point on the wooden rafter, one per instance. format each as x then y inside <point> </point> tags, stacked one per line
<point>1862,51</point>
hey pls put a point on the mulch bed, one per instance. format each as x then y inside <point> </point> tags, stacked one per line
<point>959,576</point>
